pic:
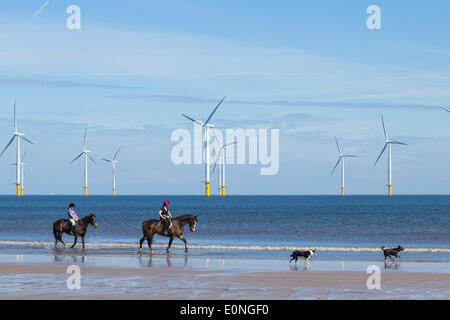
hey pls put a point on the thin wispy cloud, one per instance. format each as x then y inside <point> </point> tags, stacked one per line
<point>54,83</point>
<point>41,8</point>
<point>283,103</point>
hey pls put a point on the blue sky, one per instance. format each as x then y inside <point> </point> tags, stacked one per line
<point>312,69</point>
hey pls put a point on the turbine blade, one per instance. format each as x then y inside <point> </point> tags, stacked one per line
<point>15,120</point>
<point>385,145</point>
<point>440,106</point>
<point>337,163</point>
<point>117,152</point>
<point>106,160</point>
<point>398,142</point>
<point>24,155</point>
<point>215,136</point>
<point>337,145</point>
<point>76,158</point>
<point>217,159</point>
<point>9,143</point>
<point>22,137</point>
<point>349,156</point>
<point>384,128</point>
<point>193,120</point>
<point>84,140</point>
<point>212,113</point>
<point>229,144</point>
<point>89,156</point>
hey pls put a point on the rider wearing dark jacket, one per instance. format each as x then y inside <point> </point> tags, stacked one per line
<point>165,217</point>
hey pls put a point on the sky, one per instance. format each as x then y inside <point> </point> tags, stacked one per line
<point>313,70</point>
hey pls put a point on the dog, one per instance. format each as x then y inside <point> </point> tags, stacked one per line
<point>392,252</point>
<point>302,254</point>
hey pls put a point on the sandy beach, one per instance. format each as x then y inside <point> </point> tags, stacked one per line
<point>182,277</point>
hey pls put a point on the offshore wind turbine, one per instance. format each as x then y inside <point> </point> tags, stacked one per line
<point>18,135</point>
<point>113,162</point>
<point>86,154</point>
<point>221,171</point>
<point>341,159</point>
<point>388,144</point>
<point>207,126</point>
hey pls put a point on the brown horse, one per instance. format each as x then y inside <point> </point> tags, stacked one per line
<point>152,226</point>
<point>63,226</point>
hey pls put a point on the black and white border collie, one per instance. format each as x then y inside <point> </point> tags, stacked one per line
<point>302,254</point>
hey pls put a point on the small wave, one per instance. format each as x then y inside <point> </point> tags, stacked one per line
<point>48,244</point>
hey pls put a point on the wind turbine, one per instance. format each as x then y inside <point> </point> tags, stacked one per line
<point>207,126</point>
<point>18,135</point>
<point>86,156</point>
<point>221,171</point>
<point>114,162</point>
<point>341,157</point>
<point>388,144</point>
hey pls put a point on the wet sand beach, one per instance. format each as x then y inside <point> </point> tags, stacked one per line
<point>180,276</point>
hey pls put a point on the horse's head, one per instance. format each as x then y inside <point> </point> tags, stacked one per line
<point>93,220</point>
<point>193,223</point>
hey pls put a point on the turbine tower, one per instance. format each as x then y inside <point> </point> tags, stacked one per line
<point>341,158</point>
<point>222,156</point>
<point>21,171</point>
<point>86,156</point>
<point>207,126</point>
<point>18,135</point>
<point>388,144</point>
<point>113,162</point>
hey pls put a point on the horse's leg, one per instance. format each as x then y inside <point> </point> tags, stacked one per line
<point>82,240</point>
<point>75,242</point>
<point>60,233</point>
<point>140,244</point>
<point>149,241</point>
<point>55,234</point>
<point>170,243</point>
<point>185,243</point>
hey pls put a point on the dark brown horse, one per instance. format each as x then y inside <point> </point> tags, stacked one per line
<point>63,226</point>
<point>152,226</point>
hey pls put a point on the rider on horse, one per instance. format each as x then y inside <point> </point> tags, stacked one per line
<point>73,218</point>
<point>165,217</point>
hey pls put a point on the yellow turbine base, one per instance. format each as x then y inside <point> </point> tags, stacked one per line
<point>223,191</point>
<point>390,190</point>
<point>85,191</point>
<point>207,189</point>
<point>220,191</point>
<point>114,192</point>
<point>342,192</point>
<point>21,192</point>
<point>18,189</point>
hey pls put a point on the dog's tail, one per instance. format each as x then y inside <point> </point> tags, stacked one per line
<point>382,248</point>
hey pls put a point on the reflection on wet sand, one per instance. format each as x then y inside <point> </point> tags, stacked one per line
<point>168,260</point>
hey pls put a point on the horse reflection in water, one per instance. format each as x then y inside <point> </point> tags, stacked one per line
<point>168,260</point>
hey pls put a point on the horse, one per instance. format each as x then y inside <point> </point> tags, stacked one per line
<point>63,225</point>
<point>152,226</point>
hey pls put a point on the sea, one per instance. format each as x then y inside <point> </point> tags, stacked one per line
<point>338,228</point>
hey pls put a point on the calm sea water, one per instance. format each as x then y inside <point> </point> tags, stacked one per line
<point>352,221</point>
